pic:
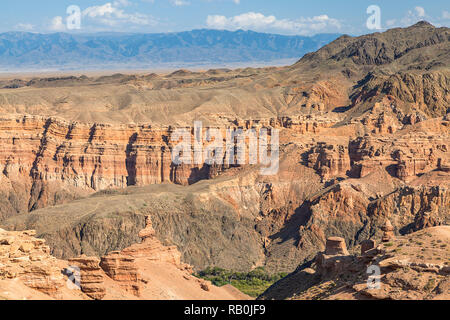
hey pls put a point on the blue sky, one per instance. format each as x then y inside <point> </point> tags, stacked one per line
<point>275,16</point>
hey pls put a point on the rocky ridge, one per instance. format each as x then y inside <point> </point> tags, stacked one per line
<point>413,267</point>
<point>26,261</point>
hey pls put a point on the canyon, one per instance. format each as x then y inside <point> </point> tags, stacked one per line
<point>363,130</point>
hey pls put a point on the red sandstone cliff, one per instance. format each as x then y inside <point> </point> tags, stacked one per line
<point>28,271</point>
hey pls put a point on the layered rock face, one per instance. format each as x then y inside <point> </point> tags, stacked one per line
<point>122,268</point>
<point>28,271</point>
<point>90,277</point>
<point>329,160</point>
<point>345,187</point>
<point>28,259</point>
<point>46,161</point>
<point>405,157</point>
<point>39,151</point>
<point>420,207</point>
<point>336,246</point>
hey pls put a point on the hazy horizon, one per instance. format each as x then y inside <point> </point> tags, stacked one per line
<point>287,17</point>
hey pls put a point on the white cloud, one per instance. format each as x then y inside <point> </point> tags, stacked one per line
<point>111,14</point>
<point>24,26</point>
<point>124,3</point>
<point>259,22</point>
<point>420,11</point>
<point>99,11</point>
<point>412,16</point>
<point>391,22</point>
<point>57,24</point>
<point>179,3</point>
<point>445,15</point>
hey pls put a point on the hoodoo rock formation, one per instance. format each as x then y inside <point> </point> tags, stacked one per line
<point>334,257</point>
<point>152,249</point>
<point>411,267</point>
<point>388,232</point>
<point>91,279</point>
<point>367,245</point>
<point>336,246</point>
<point>28,271</point>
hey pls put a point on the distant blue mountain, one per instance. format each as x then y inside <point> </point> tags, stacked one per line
<point>21,50</point>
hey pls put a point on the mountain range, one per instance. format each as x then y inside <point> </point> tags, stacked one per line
<point>21,50</point>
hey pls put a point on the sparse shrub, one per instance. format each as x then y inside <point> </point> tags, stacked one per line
<point>430,285</point>
<point>252,283</point>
